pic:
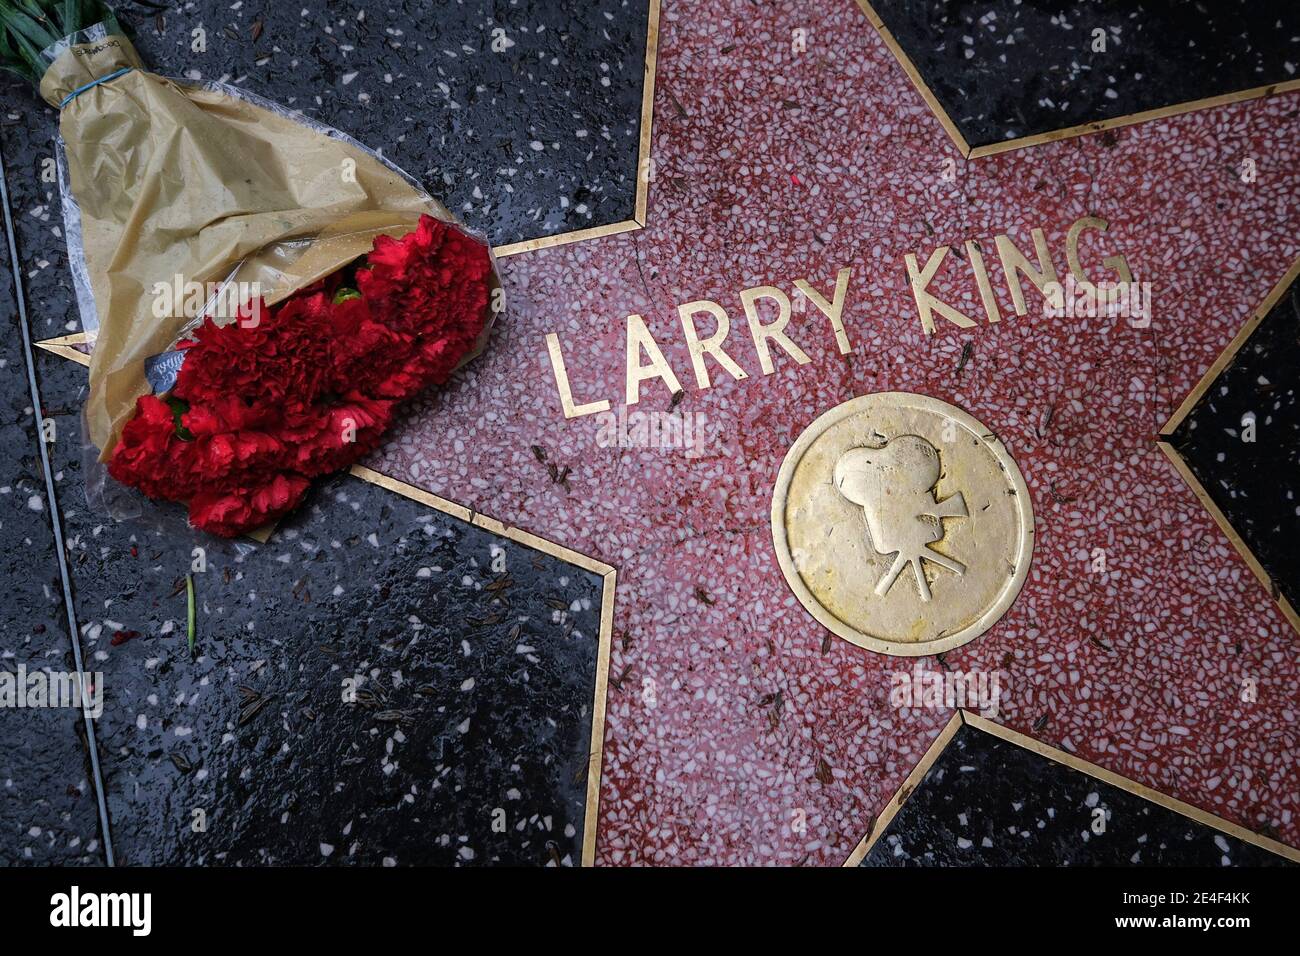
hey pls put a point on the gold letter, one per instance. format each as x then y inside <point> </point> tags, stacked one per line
<point>710,346</point>
<point>562,383</point>
<point>925,302</point>
<point>833,310</point>
<point>638,338</point>
<point>776,331</point>
<point>982,280</point>
<point>1118,263</point>
<point>1014,261</point>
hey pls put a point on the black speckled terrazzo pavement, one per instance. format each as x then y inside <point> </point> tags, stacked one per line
<point>365,688</point>
<point>472,660</point>
<point>47,804</point>
<point>988,802</point>
<point>1006,71</point>
<point>1242,441</point>
<point>468,739</point>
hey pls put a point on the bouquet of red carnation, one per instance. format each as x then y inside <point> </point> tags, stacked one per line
<point>330,285</point>
<point>260,408</point>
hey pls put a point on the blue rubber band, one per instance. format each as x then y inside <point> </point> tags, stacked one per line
<point>103,79</point>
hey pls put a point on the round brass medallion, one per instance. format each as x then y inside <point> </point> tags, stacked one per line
<point>902,524</point>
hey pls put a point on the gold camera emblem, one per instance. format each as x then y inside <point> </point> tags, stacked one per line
<point>893,481</point>
<point>894,486</point>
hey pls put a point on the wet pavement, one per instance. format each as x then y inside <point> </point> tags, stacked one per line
<point>393,679</point>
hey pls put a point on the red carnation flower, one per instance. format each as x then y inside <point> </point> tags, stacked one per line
<point>151,456</point>
<point>263,357</point>
<point>321,439</point>
<point>261,407</point>
<point>237,510</point>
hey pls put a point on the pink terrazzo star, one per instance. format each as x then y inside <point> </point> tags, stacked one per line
<point>738,733</point>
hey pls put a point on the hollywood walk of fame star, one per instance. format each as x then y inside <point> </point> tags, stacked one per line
<point>1136,667</point>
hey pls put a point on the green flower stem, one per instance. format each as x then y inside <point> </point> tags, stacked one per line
<point>189,619</point>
